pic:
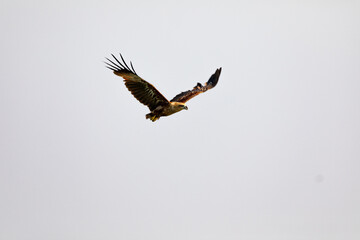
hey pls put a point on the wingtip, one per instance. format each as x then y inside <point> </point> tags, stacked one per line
<point>214,78</point>
<point>117,65</point>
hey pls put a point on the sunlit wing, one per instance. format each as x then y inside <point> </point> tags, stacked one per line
<point>186,96</point>
<point>143,91</point>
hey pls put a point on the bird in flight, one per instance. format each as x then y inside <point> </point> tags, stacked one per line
<point>148,95</point>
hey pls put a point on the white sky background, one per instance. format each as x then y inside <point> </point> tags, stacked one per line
<point>271,153</point>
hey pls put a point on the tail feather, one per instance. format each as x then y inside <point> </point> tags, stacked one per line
<point>149,115</point>
<point>152,117</point>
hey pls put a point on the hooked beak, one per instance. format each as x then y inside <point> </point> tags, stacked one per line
<point>185,107</point>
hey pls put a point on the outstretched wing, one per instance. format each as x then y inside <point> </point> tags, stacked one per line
<point>143,91</point>
<point>186,96</point>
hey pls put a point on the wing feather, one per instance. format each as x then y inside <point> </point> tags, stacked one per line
<point>187,95</point>
<point>143,91</point>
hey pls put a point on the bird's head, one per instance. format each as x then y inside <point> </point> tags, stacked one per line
<point>179,106</point>
<point>182,106</point>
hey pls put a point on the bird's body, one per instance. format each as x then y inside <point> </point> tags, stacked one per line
<point>167,110</point>
<point>147,94</point>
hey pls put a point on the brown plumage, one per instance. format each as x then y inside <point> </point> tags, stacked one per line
<point>148,95</point>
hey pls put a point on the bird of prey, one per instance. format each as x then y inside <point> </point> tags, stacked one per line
<point>148,95</point>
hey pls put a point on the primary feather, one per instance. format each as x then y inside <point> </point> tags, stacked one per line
<point>186,96</point>
<point>143,91</point>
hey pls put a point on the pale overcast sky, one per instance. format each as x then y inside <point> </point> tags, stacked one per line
<point>272,152</point>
